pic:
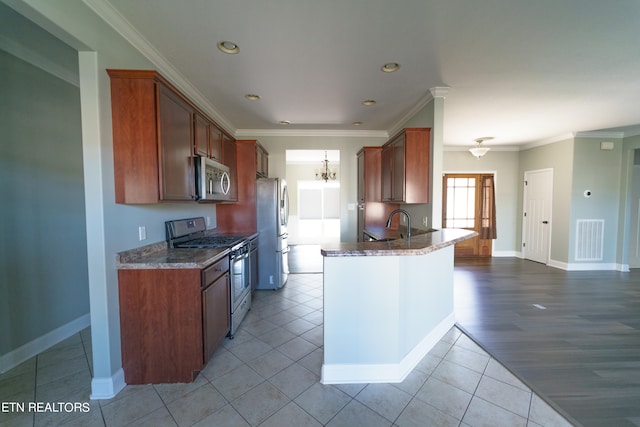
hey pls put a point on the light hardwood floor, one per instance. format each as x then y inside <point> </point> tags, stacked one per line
<point>573,337</point>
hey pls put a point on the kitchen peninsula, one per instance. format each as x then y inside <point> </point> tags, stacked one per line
<point>386,303</point>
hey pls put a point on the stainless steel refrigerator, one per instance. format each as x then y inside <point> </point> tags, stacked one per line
<point>273,249</point>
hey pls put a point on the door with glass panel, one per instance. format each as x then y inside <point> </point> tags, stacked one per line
<point>469,203</point>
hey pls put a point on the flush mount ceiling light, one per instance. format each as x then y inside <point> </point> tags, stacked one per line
<point>252,97</point>
<point>228,47</point>
<point>284,122</point>
<point>369,102</point>
<point>479,150</point>
<point>356,123</point>
<point>390,67</point>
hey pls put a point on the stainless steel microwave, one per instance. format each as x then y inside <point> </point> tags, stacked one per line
<point>213,180</point>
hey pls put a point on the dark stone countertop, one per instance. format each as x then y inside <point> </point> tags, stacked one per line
<point>420,243</point>
<point>159,256</point>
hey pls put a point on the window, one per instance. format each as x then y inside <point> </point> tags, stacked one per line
<point>460,210</point>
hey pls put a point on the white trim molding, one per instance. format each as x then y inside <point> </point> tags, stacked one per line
<point>588,266</point>
<point>255,133</point>
<point>42,343</point>
<point>107,387</point>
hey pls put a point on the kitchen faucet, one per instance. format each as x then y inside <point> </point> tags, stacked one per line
<point>402,211</point>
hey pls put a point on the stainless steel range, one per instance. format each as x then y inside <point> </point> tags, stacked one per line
<point>191,233</point>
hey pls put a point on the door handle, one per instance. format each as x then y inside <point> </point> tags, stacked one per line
<point>545,222</point>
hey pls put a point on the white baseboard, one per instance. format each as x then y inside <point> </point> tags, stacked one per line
<point>107,387</point>
<point>588,266</point>
<point>506,254</point>
<point>389,372</point>
<point>27,351</point>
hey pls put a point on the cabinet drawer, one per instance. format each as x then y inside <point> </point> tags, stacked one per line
<point>211,273</point>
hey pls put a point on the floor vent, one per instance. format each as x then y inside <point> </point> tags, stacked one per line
<point>589,239</point>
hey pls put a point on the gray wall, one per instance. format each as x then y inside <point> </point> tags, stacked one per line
<point>43,248</point>
<point>598,171</point>
<point>559,157</point>
<point>43,252</point>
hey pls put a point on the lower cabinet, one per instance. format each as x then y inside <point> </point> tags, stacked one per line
<point>216,306</point>
<point>171,321</point>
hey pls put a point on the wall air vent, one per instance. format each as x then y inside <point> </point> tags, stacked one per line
<point>589,239</point>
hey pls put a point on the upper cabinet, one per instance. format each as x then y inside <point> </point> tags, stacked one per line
<point>156,133</point>
<point>177,175</point>
<point>208,139</point>
<point>369,174</point>
<point>229,158</point>
<point>262,161</point>
<point>406,168</point>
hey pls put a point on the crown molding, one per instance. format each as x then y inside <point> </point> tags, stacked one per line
<point>123,27</point>
<point>600,134</point>
<point>492,147</point>
<point>254,133</point>
<point>439,91</point>
<point>409,114</point>
<point>558,138</point>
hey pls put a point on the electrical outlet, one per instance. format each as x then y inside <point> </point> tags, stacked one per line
<point>142,232</point>
<point>208,221</point>
<point>271,280</point>
<point>425,221</point>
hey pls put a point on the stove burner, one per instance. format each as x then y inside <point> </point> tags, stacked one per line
<point>211,242</point>
<point>192,233</point>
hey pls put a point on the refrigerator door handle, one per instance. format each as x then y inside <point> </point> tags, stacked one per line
<point>284,211</point>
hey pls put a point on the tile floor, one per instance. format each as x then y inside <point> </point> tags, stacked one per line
<point>269,376</point>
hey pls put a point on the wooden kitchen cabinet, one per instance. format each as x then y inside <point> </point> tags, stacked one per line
<point>156,133</point>
<point>208,139</point>
<point>240,217</point>
<point>175,123</point>
<point>230,158</point>
<point>371,211</point>
<point>369,169</point>
<point>171,321</point>
<point>152,139</point>
<point>202,128</point>
<point>216,307</point>
<point>262,161</point>
<point>406,167</point>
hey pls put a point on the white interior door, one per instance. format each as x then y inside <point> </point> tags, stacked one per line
<point>634,232</point>
<point>536,222</point>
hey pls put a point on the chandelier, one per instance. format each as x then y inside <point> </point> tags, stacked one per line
<point>479,150</point>
<point>325,173</point>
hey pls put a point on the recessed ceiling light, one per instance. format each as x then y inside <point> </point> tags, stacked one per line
<point>285,122</point>
<point>357,123</point>
<point>369,102</point>
<point>252,97</point>
<point>390,67</point>
<point>228,47</point>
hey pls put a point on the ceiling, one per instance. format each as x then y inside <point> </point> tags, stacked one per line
<point>519,71</point>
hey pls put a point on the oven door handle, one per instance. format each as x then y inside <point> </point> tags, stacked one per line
<point>240,257</point>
